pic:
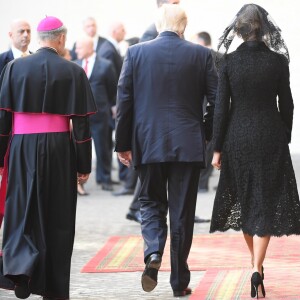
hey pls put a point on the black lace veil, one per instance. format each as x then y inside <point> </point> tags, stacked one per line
<point>252,20</point>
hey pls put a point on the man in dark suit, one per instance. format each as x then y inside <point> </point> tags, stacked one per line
<point>134,213</point>
<point>134,208</point>
<point>103,81</point>
<point>162,132</point>
<point>20,34</point>
<point>90,28</point>
<point>203,38</point>
<point>151,32</point>
<point>110,50</point>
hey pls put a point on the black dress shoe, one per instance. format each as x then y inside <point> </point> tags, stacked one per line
<point>149,276</point>
<point>199,220</point>
<point>183,293</point>
<point>123,192</point>
<point>134,215</point>
<point>107,187</point>
<point>22,290</point>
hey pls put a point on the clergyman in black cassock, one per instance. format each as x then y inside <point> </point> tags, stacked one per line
<point>43,166</point>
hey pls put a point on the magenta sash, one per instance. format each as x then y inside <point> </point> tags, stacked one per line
<point>30,123</point>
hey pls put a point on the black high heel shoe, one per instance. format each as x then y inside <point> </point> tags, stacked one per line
<point>256,281</point>
<point>262,273</point>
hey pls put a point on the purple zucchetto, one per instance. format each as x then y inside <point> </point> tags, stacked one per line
<point>49,23</point>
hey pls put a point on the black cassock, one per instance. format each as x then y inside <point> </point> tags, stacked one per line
<point>40,209</point>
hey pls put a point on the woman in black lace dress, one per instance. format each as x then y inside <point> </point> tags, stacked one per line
<point>257,191</point>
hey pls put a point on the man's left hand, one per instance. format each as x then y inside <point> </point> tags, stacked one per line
<point>125,158</point>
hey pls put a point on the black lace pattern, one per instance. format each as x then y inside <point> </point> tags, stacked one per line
<point>257,191</point>
<point>269,31</point>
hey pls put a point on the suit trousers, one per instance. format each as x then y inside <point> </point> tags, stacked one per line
<point>135,204</point>
<point>100,131</point>
<point>206,173</point>
<point>169,187</point>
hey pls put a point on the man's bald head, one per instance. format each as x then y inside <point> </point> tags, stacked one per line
<point>84,47</point>
<point>117,31</point>
<point>20,34</point>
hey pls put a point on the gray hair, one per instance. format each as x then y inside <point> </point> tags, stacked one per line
<point>171,18</point>
<point>52,34</point>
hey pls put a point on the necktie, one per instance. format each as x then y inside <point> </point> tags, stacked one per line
<point>24,54</point>
<point>86,66</point>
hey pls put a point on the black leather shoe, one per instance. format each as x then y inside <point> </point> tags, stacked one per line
<point>22,290</point>
<point>107,187</point>
<point>183,293</point>
<point>123,192</point>
<point>199,220</point>
<point>134,215</point>
<point>149,276</point>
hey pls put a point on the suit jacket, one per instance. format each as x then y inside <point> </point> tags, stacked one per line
<point>161,90</point>
<point>150,33</point>
<point>5,58</point>
<point>103,81</point>
<point>108,50</point>
<point>99,43</point>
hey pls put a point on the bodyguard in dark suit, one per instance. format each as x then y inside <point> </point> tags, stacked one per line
<point>110,50</point>
<point>90,28</point>
<point>103,81</point>
<point>20,34</point>
<point>162,132</point>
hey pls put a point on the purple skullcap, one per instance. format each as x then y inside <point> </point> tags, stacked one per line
<point>49,23</point>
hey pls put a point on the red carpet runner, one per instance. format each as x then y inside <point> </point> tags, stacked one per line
<point>225,251</point>
<point>225,259</point>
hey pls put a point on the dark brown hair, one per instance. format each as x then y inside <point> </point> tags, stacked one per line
<point>248,24</point>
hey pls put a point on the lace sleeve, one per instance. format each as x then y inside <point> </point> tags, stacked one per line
<point>285,99</point>
<point>222,108</point>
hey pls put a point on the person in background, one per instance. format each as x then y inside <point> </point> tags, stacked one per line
<point>39,94</point>
<point>90,29</point>
<point>111,51</point>
<point>131,176</point>
<point>66,54</point>
<point>168,155</point>
<point>257,191</point>
<point>20,35</point>
<point>203,38</point>
<point>103,81</point>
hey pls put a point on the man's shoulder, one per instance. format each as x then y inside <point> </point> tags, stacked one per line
<point>150,33</point>
<point>6,54</point>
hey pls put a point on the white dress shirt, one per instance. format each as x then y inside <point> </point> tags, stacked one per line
<point>17,53</point>
<point>91,62</point>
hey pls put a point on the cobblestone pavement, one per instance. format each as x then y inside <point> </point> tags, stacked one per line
<point>101,215</point>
